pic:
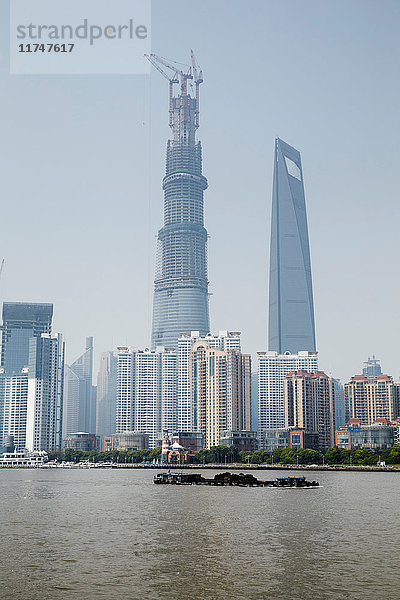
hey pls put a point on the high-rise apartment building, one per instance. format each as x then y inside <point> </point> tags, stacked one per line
<point>272,370</point>
<point>13,407</point>
<point>31,377</point>
<point>291,305</point>
<point>181,283</point>
<point>146,391</point>
<point>220,391</point>
<point>106,394</point>
<point>309,405</point>
<point>225,340</point>
<point>371,400</point>
<point>125,409</point>
<point>169,381</point>
<point>79,396</point>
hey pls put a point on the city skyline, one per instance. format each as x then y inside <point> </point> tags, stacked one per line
<point>116,177</point>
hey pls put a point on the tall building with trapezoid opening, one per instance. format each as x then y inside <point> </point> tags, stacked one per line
<point>291,306</point>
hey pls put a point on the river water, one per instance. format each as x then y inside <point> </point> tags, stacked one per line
<point>112,534</point>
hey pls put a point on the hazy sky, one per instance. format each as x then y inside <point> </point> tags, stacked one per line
<point>82,159</point>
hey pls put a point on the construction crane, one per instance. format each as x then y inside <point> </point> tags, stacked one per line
<point>156,60</point>
<point>198,79</point>
<point>174,79</point>
<point>2,266</point>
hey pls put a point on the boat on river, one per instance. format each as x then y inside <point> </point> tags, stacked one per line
<point>232,479</point>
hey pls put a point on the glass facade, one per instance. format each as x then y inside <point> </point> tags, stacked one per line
<point>291,307</point>
<point>22,321</point>
<point>372,437</point>
<point>79,397</point>
<point>181,284</point>
<point>31,377</point>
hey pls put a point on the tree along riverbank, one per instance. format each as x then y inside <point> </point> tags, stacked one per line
<point>223,455</point>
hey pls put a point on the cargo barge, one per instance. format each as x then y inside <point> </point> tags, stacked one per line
<point>232,479</point>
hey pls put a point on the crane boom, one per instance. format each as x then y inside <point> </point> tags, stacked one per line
<point>159,69</point>
<point>169,65</point>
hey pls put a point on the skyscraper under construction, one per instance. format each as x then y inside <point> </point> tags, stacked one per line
<point>181,284</point>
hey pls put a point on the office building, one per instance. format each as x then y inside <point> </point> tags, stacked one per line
<point>290,437</point>
<point>291,306</point>
<point>79,396</point>
<point>340,412</point>
<point>220,391</point>
<point>45,393</point>
<point>242,440</point>
<point>272,370</point>
<point>31,377</point>
<point>106,395</point>
<point>372,368</point>
<point>181,283</point>
<point>21,322</point>
<point>225,340</point>
<point>309,405</point>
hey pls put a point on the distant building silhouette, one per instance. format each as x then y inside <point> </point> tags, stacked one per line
<point>79,396</point>
<point>106,396</point>
<point>372,368</point>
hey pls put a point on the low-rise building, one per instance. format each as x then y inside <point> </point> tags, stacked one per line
<point>242,440</point>
<point>130,440</point>
<point>173,453</point>
<point>107,443</point>
<point>192,440</point>
<point>290,437</point>
<point>377,436</point>
<point>82,440</point>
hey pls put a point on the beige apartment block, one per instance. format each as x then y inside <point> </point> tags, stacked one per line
<point>220,391</point>
<point>371,400</point>
<point>309,404</point>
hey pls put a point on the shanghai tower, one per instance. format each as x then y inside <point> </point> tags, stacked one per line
<point>181,285</point>
<point>291,307</point>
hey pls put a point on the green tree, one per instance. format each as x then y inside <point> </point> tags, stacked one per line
<point>336,456</point>
<point>394,455</point>
<point>307,456</point>
<point>277,455</point>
